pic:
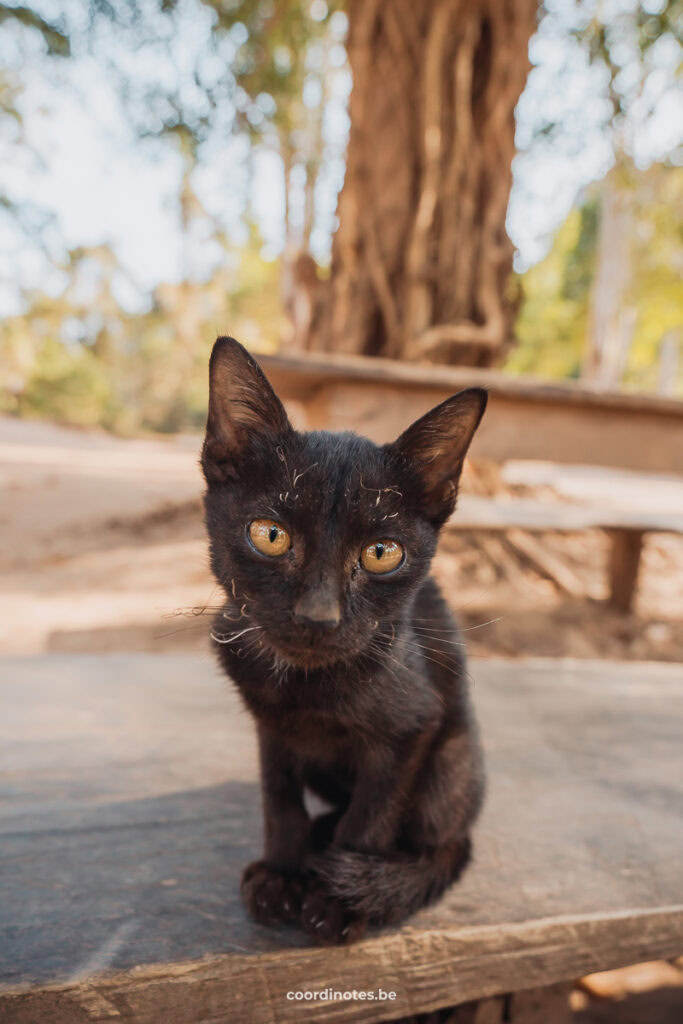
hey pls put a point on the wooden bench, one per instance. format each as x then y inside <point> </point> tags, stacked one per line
<point>626,530</point>
<point>527,418</point>
<point>130,805</point>
<point>564,422</point>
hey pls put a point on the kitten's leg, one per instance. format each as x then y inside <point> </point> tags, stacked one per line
<point>385,780</point>
<point>370,823</point>
<point>326,919</point>
<point>273,888</point>
<point>384,864</point>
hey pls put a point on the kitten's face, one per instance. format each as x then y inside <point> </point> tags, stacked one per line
<point>318,539</point>
<point>348,545</point>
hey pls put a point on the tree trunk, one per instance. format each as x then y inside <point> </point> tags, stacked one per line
<point>421,260</point>
<point>611,319</point>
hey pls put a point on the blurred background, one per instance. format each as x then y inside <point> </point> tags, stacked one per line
<point>171,169</point>
<point>372,195</point>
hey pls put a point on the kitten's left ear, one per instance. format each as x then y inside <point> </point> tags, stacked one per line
<point>242,405</point>
<point>436,446</point>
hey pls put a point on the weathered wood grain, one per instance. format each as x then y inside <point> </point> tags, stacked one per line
<point>526,418</point>
<point>129,805</point>
<point>426,970</point>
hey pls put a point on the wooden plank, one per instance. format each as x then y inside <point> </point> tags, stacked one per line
<point>302,373</point>
<point>499,515</point>
<point>526,418</point>
<point>130,805</point>
<point>433,969</point>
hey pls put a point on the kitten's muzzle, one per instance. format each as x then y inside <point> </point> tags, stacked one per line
<point>318,608</point>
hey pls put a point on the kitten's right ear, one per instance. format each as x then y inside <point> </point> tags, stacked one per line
<point>242,404</point>
<point>436,446</point>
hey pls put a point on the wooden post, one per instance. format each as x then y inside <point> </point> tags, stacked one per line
<point>624,562</point>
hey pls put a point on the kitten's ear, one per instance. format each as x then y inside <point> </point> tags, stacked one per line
<point>242,404</point>
<point>436,445</point>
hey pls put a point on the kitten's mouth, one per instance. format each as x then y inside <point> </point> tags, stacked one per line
<point>307,655</point>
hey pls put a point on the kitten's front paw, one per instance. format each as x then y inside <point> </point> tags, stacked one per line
<point>272,896</point>
<point>327,921</point>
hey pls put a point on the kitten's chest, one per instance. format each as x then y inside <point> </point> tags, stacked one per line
<point>311,732</point>
<point>322,718</point>
<point>311,729</point>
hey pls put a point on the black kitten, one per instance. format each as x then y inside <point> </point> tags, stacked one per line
<point>343,650</point>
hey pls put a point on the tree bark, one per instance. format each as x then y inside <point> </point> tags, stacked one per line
<point>421,260</point>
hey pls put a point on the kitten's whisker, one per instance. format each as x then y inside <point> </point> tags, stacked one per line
<point>415,650</point>
<point>445,658</point>
<point>235,618</point>
<point>195,612</point>
<point>462,629</point>
<point>379,657</point>
<point>468,629</point>
<point>223,639</point>
<point>439,639</point>
<point>436,629</point>
<point>427,658</point>
<point>418,648</point>
<point>251,646</point>
<point>477,597</point>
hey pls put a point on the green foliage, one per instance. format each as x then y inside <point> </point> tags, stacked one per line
<point>69,384</point>
<point>82,359</point>
<point>551,326</point>
<point>657,288</point>
<point>553,321</point>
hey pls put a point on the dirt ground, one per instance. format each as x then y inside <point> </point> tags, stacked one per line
<point>103,549</point>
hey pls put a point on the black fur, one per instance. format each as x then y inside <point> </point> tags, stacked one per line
<point>372,712</point>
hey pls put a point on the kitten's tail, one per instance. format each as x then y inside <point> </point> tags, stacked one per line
<point>386,888</point>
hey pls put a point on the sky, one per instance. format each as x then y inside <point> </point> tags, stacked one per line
<point>82,160</point>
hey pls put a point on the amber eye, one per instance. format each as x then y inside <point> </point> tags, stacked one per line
<point>269,537</point>
<point>382,556</point>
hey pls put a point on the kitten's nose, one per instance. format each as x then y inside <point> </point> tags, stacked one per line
<point>319,606</point>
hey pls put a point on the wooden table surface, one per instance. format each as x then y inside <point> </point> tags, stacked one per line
<point>129,805</point>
